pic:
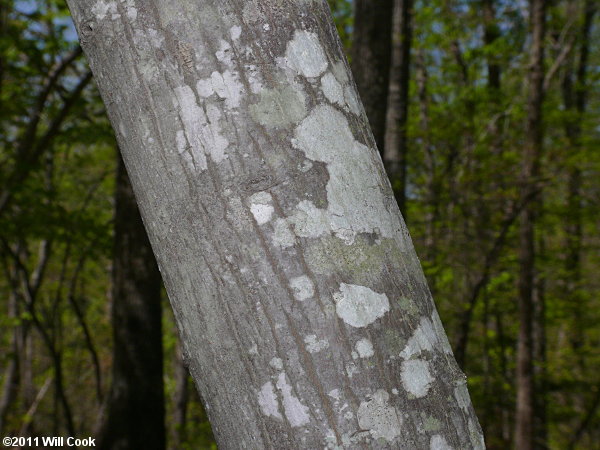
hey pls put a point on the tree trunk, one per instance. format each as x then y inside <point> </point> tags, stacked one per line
<point>135,411</point>
<point>10,385</point>
<point>540,424</point>
<point>575,96</point>
<point>301,304</point>
<point>371,57</point>
<point>532,151</point>
<point>490,34</point>
<point>398,99</point>
<point>181,399</point>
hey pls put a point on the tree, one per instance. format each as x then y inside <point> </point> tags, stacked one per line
<point>136,408</point>
<point>530,173</point>
<point>303,310</point>
<point>396,141</point>
<point>371,57</point>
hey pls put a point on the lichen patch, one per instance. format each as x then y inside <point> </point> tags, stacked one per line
<point>202,130</point>
<point>416,377</point>
<point>332,90</point>
<point>355,200</point>
<point>305,55</point>
<point>424,338</point>
<point>359,306</point>
<point>438,442</point>
<point>314,345</point>
<point>379,417</point>
<point>226,85</point>
<point>102,8</point>
<point>261,208</point>
<point>267,401</point>
<point>295,412</point>
<point>279,107</point>
<point>302,287</point>
<point>364,348</point>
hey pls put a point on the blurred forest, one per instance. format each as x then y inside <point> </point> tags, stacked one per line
<point>486,116</point>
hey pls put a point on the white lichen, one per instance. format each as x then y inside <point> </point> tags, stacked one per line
<point>314,345</point>
<point>360,306</point>
<point>438,442</point>
<point>351,369</point>
<point>440,333</point>
<point>305,55</point>
<point>267,401</point>
<point>282,235</point>
<point>235,32</point>
<point>130,9</point>
<point>352,100</point>
<point>295,412</point>
<point>225,85</point>
<point>379,417</point>
<point>276,363</point>
<point>332,89</point>
<point>461,394</point>
<point>424,338</point>
<point>261,208</point>
<point>202,130</point>
<point>416,378</point>
<point>225,54</point>
<point>302,287</point>
<point>475,435</point>
<point>356,203</point>
<point>364,348</point>
<point>309,221</point>
<point>254,78</point>
<point>103,8</point>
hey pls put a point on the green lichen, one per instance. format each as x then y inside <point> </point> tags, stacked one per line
<point>430,423</point>
<point>408,306</point>
<point>363,260</point>
<point>279,107</point>
<point>394,342</point>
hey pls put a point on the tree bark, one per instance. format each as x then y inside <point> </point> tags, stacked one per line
<point>181,399</point>
<point>396,142</point>
<point>371,56</point>
<point>490,34</point>
<point>532,151</point>
<point>10,385</point>
<point>135,411</point>
<point>301,304</point>
<point>575,94</point>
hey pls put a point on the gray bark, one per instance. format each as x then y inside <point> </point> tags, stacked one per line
<point>303,310</point>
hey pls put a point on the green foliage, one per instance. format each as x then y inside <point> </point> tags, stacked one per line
<point>465,157</point>
<point>464,192</point>
<point>344,20</point>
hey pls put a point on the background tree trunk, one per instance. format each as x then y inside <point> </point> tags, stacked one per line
<point>181,399</point>
<point>135,410</point>
<point>302,307</point>
<point>370,58</point>
<point>396,142</point>
<point>532,151</point>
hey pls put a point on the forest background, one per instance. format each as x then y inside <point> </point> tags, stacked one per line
<point>486,115</point>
